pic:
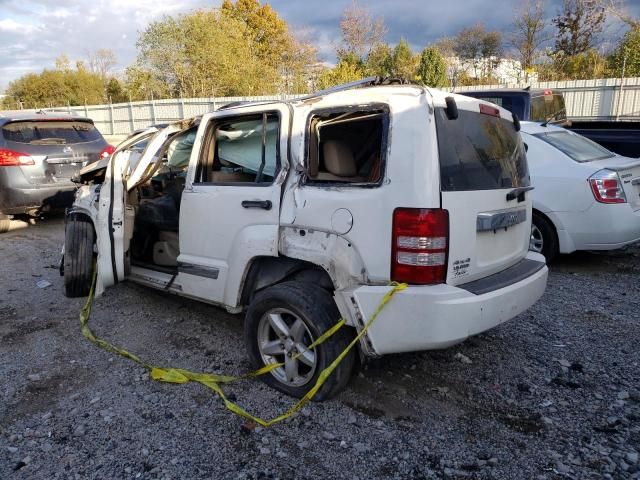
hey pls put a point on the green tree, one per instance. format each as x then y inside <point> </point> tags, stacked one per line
<point>581,66</point>
<point>57,87</point>
<point>379,60</point>
<point>275,46</point>
<point>627,55</point>
<point>344,72</point>
<point>115,91</point>
<point>268,32</point>
<point>243,48</point>
<point>432,69</point>
<point>141,84</point>
<point>403,62</point>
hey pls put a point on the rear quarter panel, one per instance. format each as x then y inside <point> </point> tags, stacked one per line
<point>411,179</point>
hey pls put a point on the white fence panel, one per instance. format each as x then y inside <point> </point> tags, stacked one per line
<point>584,98</point>
<point>604,98</point>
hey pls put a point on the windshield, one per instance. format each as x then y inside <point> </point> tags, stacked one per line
<point>575,146</point>
<point>479,152</point>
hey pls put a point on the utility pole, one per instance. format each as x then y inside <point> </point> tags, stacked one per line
<point>624,66</point>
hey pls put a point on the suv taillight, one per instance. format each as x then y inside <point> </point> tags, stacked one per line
<point>10,158</point>
<point>106,151</point>
<point>420,245</point>
<point>607,187</point>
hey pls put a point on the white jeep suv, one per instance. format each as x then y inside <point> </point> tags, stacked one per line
<point>303,212</point>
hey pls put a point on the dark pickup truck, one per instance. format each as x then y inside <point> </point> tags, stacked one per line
<point>547,105</point>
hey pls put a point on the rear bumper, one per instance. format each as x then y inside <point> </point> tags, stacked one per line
<point>431,317</point>
<point>600,227</point>
<point>22,200</point>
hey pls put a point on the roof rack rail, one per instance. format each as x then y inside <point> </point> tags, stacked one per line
<point>365,82</point>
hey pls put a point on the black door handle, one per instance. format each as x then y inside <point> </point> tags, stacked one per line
<point>264,204</point>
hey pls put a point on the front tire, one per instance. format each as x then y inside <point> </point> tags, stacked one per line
<point>78,256</point>
<point>285,319</point>
<point>543,237</point>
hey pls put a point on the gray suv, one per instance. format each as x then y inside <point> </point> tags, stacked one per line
<point>39,153</point>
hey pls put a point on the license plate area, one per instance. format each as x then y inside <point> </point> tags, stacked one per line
<point>486,222</point>
<point>65,167</point>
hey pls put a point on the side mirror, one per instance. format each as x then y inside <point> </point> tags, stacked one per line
<point>526,147</point>
<point>452,108</point>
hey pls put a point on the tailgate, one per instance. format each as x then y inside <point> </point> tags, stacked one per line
<point>59,147</point>
<point>486,233</point>
<point>485,188</point>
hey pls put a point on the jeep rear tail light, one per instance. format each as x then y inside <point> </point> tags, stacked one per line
<point>10,158</point>
<point>420,245</point>
<point>607,187</point>
<point>106,151</point>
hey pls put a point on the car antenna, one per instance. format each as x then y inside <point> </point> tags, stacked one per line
<point>527,88</point>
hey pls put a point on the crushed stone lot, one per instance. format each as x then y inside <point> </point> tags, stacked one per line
<point>554,393</point>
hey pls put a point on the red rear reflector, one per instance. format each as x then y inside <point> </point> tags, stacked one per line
<point>420,245</point>
<point>108,150</point>
<point>548,92</point>
<point>487,110</point>
<point>9,158</point>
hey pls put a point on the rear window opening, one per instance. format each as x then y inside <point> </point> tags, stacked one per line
<point>50,132</point>
<point>479,152</point>
<point>347,147</point>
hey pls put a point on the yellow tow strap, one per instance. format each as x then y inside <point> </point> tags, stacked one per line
<point>213,381</point>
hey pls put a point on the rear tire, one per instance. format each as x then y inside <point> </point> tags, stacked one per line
<point>5,223</point>
<point>285,305</point>
<point>78,256</point>
<point>544,239</point>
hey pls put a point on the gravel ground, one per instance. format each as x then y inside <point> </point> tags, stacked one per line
<point>555,393</point>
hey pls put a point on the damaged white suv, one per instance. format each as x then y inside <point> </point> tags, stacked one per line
<point>303,212</point>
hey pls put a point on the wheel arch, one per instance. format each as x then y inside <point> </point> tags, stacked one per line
<point>263,272</point>
<point>548,219</point>
<point>77,213</point>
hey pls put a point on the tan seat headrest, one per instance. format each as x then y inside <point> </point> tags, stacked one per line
<point>339,159</point>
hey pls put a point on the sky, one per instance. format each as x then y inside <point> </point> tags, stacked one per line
<point>34,32</point>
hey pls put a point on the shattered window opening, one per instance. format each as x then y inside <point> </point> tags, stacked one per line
<point>347,147</point>
<point>242,150</point>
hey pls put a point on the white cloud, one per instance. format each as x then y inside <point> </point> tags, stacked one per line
<point>9,25</point>
<point>61,13</point>
<point>34,32</point>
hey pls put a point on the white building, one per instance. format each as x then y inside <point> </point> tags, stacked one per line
<point>504,70</point>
